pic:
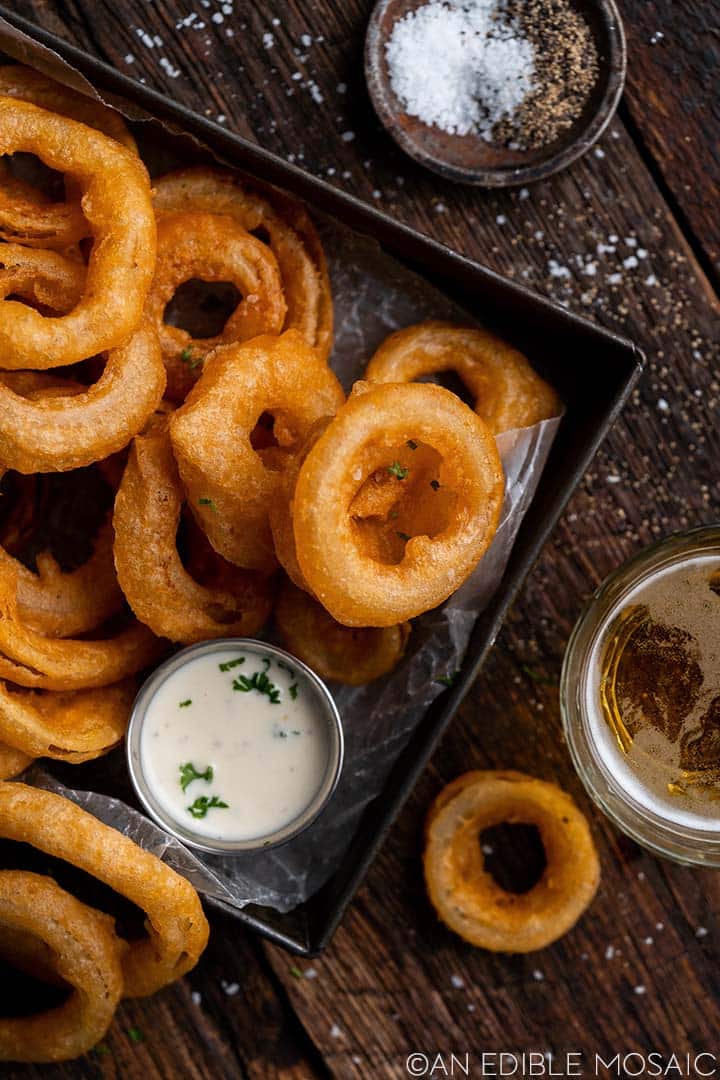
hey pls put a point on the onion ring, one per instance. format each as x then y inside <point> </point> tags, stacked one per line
<point>285,224</point>
<point>385,569</point>
<point>83,950</point>
<point>340,653</point>
<point>44,278</point>
<point>467,898</point>
<point>28,84</point>
<point>213,248</point>
<point>56,432</point>
<point>281,507</point>
<point>230,485</point>
<point>177,928</point>
<point>59,603</point>
<point>159,589</point>
<point>12,762</point>
<point>508,393</point>
<point>33,660</point>
<point>117,205</point>
<point>75,726</point>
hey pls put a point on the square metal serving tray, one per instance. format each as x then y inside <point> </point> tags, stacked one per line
<point>593,369</point>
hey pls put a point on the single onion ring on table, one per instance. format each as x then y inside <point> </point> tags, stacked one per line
<point>82,951</point>
<point>117,205</point>
<point>213,248</point>
<point>275,218</point>
<point>347,655</point>
<point>177,928</point>
<point>507,392</point>
<point>55,432</point>
<point>230,485</point>
<point>75,726</point>
<point>44,278</point>
<point>467,898</point>
<point>12,761</point>
<point>34,660</point>
<point>159,589</point>
<point>393,557</point>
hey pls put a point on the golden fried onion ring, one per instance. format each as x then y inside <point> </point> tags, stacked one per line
<point>117,205</point>
<point>159,589</point>
<point>44,278</point>
<point>274,217</point>
<point>507,392</point>
<point>68,603</point>
<point>81,949</point>
<point>74,726</point>
<point>177,930</point>
<point>230,485</point>
<point>467,897</point>
<point>34,660</point>
<point>212,248</point>
<point>12,761</point>
<point>57,432</point>
<point>345,654</point>
<point>28,84</point>
<point>379,569</point>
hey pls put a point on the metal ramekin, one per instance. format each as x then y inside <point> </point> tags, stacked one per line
<point>186,835</point>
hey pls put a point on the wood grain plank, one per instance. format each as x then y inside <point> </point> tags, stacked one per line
<point>600,239</point>
<point>672,98</point>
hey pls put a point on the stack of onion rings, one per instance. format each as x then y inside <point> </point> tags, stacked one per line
<point>274,218</point>
<point>467,897</point>
<point>147,515</point>
<point>212,247</point>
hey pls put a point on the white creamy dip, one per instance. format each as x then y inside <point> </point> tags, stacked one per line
<point>234,744</point>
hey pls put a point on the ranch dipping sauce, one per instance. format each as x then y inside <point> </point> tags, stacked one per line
<point>234,745</point>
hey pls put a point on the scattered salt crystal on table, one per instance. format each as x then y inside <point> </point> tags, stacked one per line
<point>458,67</point>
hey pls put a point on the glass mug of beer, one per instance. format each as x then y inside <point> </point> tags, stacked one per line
<point>640,697</point>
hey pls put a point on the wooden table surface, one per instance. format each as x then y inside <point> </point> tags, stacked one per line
<point>629,236</point>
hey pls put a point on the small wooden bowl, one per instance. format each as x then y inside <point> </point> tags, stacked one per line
<point>469,158</point>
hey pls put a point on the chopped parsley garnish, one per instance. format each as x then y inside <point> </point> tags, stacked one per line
<point>398,470</point>
<point>184,704</point>
<point>296,973</point>
<point>102,1049</point>
<point>537,676</point>
<point>403,536</point>
<point>202,804</point>
<point>136,1035</point>
<point>434,484</point>
<point>188,773</point>
<point>412,444</point>
<point>204,501</point>
<point>260,682</point>
<point>285,667</point>
<point>187,358</point>
<point>293,691</point>
<point>449,680</point>
<point>228,665</point>
<point>267,661</point>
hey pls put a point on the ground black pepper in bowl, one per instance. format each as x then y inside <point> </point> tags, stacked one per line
<point>566,67</point>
